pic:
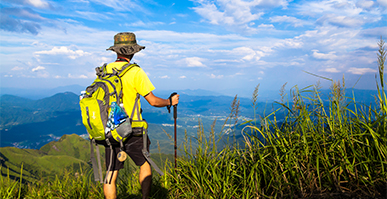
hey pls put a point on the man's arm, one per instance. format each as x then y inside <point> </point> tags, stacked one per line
<point>160,102</point>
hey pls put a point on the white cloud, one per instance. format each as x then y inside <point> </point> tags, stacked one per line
<point>341,21</point>
<point>248,54</point>
<point>331,70</point>
<point>235,13</point>
<point>364,4</point>
<point>181,38</point>
<point>105,60</point>
<point>382,2</point>
<point>93,16</point>
<point>77,76</point>
<point>72,54</point>
<point>226,61</point>
<point>216,76</point>
<point>266,26</point>
<point>290,43</point>
<point>182,77</point>
<point>238,74</point>
<point>361,71</point>
<point>194,62</point>
<point>330,55</point>
<point>165,77</point>
<point>339,13</point>
<point>38,68</point>
<point>121,5</point>
<point>38,3</point>
<point>142,24</point>
<point>314,8</point>
<point>293,20</point>
<point>213,15</point>
<point>374,32</point>
<point>16,68</point>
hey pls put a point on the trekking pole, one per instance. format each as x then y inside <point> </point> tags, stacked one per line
<point>175,118</point>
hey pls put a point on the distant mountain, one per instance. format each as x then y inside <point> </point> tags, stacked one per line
<point>207,105</point>
<point>190,92</point>
<point>27,123</point>
<point>33,123</point>
<point>11,100</point>
<point>264,95</point>
<point>39,93</point>
<point>16,110</point>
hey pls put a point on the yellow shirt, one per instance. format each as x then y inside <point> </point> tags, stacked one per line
<point>134,81</point>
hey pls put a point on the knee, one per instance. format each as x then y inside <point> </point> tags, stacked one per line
<point>146,167</point>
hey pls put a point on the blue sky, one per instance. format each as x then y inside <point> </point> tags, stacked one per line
<point>217,45</point>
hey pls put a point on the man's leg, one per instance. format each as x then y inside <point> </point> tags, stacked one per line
<point>145,179</point>
<point>110,190</point>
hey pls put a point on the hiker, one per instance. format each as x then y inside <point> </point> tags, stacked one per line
<point>133,82</point>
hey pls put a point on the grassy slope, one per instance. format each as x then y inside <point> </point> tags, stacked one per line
<point>71,145</point>
<point>36,164</point>
<point>69,152</point>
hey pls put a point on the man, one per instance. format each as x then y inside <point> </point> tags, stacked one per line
<point>134,81</point>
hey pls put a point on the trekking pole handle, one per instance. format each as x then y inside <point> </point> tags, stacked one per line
<point>170,102</point>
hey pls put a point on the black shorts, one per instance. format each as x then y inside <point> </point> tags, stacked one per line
<point>133,147</point>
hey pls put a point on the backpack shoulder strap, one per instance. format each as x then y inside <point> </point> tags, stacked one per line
<point>136,107</point>
<point>126,68</point>
<point>102,71</point>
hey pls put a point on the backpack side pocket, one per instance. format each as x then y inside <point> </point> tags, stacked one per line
<point>93,115</point>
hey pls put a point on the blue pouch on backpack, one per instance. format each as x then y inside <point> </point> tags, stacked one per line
<point>117,116</point>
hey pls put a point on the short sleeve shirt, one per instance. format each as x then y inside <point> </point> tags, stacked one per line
<point>134,81</point>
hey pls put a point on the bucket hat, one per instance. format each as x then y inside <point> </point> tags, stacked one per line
<point>125,43</point>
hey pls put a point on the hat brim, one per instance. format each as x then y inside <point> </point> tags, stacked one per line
<point>126,49</point>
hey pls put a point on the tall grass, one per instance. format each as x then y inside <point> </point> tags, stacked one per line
<point>321,149</point>
<point>67,184</point>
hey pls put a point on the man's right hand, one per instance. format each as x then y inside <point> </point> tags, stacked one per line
<point>174,99</point>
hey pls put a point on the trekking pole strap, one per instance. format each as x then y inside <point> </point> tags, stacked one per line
<point>106,181</point>
<point>97,169</point>
<point>146,154</point>
<point>99,161</point>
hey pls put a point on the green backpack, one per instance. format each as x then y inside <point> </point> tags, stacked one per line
<point>102,99</point>
<point>105,118</point>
